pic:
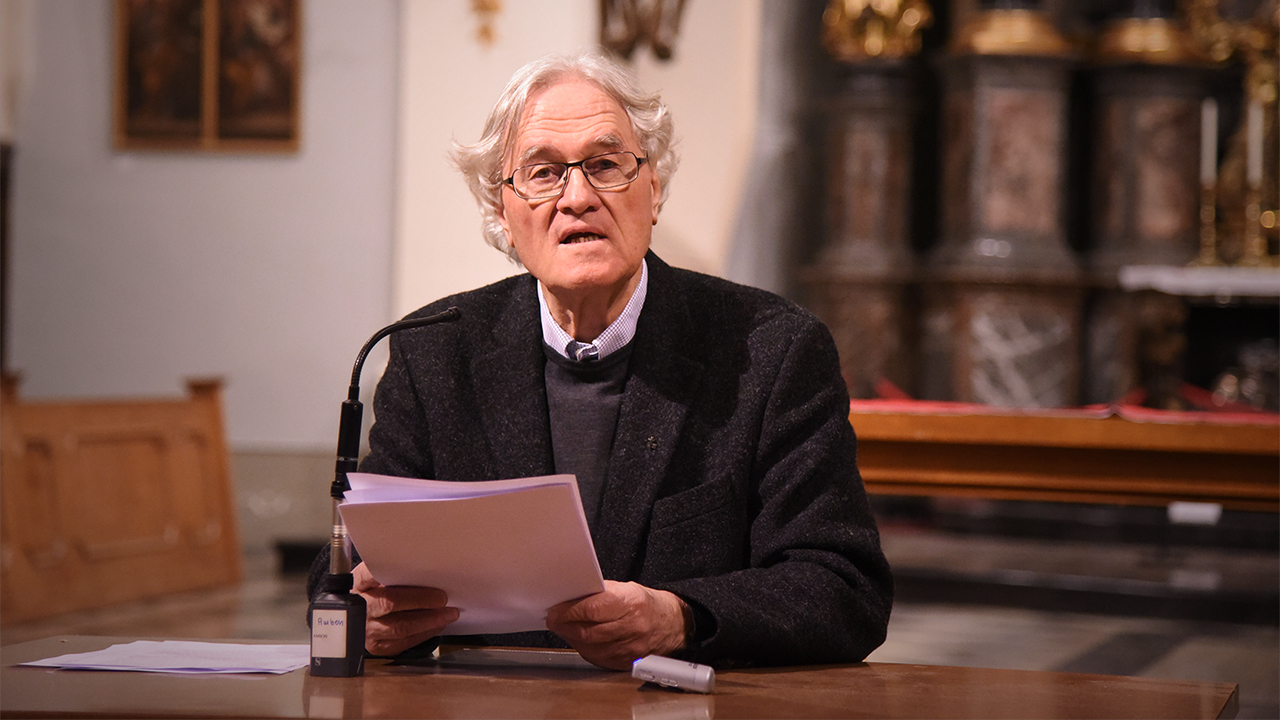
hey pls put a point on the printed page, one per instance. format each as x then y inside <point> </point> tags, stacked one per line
<point>504,550</point>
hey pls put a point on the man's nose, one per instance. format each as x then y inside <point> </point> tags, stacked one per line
<point>578,190</point>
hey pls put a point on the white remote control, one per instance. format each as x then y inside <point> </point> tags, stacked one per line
<point>674,673</point>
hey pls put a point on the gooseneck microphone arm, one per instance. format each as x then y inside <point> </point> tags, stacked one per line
<point>337,615</point>
<point>349,435</point>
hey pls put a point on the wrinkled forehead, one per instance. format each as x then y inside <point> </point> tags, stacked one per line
<point>570,116</point>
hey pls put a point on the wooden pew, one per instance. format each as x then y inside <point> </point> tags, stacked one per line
<point>109,501</point>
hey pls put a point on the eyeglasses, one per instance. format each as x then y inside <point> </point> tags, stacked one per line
<point>546,180</point>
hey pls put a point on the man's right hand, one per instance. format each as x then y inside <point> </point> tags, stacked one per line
<point>400,617</point>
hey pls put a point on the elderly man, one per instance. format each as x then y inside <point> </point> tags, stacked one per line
<point>706,422</point>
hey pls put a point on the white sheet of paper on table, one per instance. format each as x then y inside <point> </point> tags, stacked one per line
<point>185,656</point>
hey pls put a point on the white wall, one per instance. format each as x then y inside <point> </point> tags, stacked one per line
<point>713,89</point>
<point>132,271</point>
<point>449,80</point>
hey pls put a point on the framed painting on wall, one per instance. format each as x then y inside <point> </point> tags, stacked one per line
<point>207,75</point>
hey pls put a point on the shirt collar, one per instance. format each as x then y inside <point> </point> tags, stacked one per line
<point>614,337</point>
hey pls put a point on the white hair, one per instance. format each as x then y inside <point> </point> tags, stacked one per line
<point>482,162</point>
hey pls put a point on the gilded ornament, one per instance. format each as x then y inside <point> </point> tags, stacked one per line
<point>855,30</point>
<point>1246,184</point>
<point>1150,41</point>
<point>1011,32</point>
<point>486,11</point>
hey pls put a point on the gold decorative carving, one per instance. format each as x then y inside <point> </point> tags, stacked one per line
<point>863,29</point>
<point>1208,256</point>
<point>1157,41</point>
<point>1011,32</point>
<point>1220,39</point>
<point>486,11</point>
<point>1248,192</point>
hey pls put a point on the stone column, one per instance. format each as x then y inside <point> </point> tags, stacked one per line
<point>1002,317</point>
<point>858,286</point>
<point>1149,82</point>
<point>858,283</point>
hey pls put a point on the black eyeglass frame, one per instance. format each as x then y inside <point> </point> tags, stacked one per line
<point>568,167</point>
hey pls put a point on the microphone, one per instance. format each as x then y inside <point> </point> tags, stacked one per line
<point>337,615</point>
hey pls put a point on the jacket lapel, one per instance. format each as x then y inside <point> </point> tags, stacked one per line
<point>511,395</point>
<point>661,386</point>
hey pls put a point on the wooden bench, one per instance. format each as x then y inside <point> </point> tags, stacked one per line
<point>1126,456</point>
<point>109,501</point>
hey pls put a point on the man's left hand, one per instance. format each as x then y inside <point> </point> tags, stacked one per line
<point>625,622</point>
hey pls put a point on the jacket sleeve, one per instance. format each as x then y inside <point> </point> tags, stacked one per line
<point>817,588</point>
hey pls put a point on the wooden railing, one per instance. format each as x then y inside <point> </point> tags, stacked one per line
<point>1127,456</point>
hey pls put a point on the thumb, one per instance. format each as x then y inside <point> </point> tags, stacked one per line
<point>363,579</point>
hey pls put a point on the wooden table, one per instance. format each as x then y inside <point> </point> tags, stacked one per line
<point>879,690</point>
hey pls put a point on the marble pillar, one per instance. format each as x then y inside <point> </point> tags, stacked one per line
<point>1149,81</point>
<point>858,284</point>
<point>1003,294</point>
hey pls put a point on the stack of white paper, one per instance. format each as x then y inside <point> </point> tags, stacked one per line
<point>504,551</point>
<point>180,656</point>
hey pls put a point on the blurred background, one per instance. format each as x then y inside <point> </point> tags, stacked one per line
<point>1013,204</point>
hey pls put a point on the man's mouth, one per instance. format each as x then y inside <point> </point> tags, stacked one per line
<point>575,238</point>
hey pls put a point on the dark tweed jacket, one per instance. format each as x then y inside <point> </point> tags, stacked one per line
<point>733,480</point>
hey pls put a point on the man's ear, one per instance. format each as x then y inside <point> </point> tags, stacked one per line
<point>501,212</point>
<point>657,195</point>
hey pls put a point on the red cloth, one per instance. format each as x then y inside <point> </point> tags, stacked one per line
<point>893,400</point>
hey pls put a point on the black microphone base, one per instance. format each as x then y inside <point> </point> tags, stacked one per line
<point>337,618</point>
